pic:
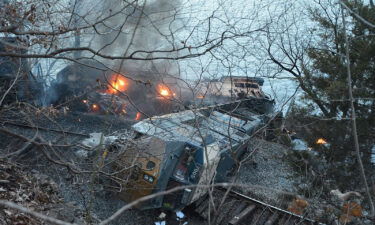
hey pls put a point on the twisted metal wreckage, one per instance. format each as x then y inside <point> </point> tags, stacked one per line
<point>192,147</point>
<point>198,146</point>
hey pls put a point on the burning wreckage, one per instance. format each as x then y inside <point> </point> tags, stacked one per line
<point>199,146</point>
<point>193,146</point>
<point>94,89</point>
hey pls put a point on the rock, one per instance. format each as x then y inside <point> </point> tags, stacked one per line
<point>94,140</point>
<point>82,153</point>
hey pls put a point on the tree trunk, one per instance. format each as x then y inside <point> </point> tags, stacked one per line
<point>76,22</point>
<point>353,118</point>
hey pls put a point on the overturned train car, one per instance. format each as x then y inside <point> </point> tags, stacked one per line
<point>192,147</point>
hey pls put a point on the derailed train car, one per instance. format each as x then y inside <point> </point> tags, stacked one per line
<point>193,147</point>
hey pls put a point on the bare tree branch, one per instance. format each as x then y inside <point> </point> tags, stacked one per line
<point>353,118</point>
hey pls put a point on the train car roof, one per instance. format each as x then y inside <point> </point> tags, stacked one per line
<point>199,127</point>
<point>258,80</point>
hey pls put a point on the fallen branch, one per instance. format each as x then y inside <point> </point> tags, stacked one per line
<point>6,131</point>
<point>36,214</point>
<point>26,146</point>
<point>47,129</point>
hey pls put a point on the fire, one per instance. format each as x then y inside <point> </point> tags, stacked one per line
<point>164,91</point>
<point>117,84</point>
<point>84,101</point>
<point>138,116</point>
<point>95,107</point>
<point>200,96</point>
<point>321,141</point>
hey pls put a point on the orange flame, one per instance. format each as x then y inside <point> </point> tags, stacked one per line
<point>95,107</point>
<point>117,84</point>
<point>164,91</point>
<point>321,141</point>
<point>200,96</point>
<point>138,116</point>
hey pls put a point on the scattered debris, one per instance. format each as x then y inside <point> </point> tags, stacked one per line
<point>299,145</point>
<point>97,139</point>
<point>345,196</point>
<point>349,211</point>
<point>36,192</point>
<point>298,206</point>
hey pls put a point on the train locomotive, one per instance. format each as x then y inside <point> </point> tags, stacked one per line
<point>193,147</point>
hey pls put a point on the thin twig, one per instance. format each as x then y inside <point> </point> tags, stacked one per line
<point>47,129</point>
<point>36,214</point>
<point>353,117</point>
<point>6,131</point>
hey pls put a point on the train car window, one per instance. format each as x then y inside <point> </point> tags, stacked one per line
<point>240,85</point>
<point>180,172</point>
<point>150,165</point>
<point>250,85</point>
<point>241,133</point>
<point>188,167</point>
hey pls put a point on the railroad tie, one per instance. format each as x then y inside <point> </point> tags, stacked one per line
<point>200,200</point>
<point>202,207</point>
<point>256,217</point>
<point>229,207</point>
<point>272,219</point>
<point>263,216</point>
<point>238,218</point>
<point>286,220</point>
<point>247,210</point>
<point>209,211</point>
<point>242,205</point>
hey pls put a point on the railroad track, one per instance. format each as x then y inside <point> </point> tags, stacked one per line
<point>239,209</point>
